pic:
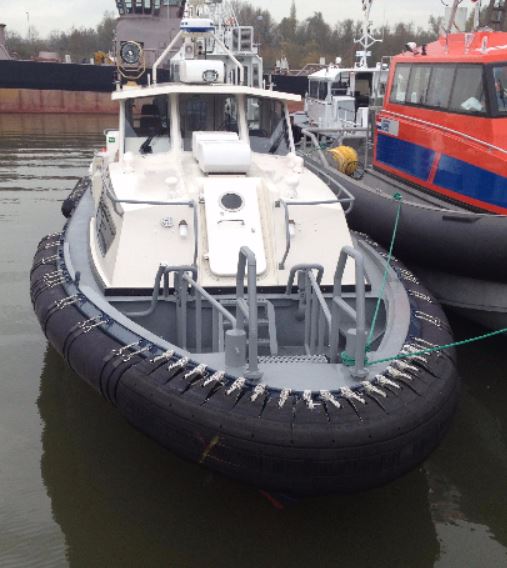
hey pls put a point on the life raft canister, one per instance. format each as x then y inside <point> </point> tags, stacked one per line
<point>346,159</point>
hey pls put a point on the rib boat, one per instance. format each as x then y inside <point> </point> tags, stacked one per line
<point>208,286</point>
<point>440,142</point>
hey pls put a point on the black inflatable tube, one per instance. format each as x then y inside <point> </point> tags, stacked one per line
<point>362,444</point>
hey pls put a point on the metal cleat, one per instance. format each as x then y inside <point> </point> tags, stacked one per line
<point>124,349</point>
<point>92,323</point>
<point>385,382</point>
<point>67,302</point>
<point>198,371</point>
<point>404,366</point>
<point>164,357</point>
<point>178,365</point>
<point>128,356</point>
<point>408,276</point>
<point>217,377</point>
<point>284,396</point>
<point>372,389</point>
<point>327,396</point>
<point>308,398</point>
<point>49,259</point>
<point>429,318</point>
<point>398,375</point>
<point>259,390</point>
<point>238,384</point>
<point>349,394</point>
<point>420,296</point>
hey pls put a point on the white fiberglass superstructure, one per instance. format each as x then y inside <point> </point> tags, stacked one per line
<point>205,165</point>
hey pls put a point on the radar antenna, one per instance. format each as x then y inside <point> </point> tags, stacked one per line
<point>366,40</point>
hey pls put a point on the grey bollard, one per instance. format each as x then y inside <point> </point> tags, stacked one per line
<point>235,348</point>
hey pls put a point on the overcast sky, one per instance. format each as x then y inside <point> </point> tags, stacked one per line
<point>48,15</point>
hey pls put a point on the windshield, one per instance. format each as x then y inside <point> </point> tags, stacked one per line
<point>500,78</point>
<point>147,127</point>
<point>207,113</point>
<point>267,126</point>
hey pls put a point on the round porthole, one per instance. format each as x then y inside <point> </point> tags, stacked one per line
<point>231,202</point>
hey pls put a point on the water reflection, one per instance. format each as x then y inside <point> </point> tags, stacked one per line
<point>468,474</point>
<point>121,500</point>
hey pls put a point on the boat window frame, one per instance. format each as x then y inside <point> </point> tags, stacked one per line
<point>433,64</point>
<point>313,83</point>
<point>286,129</point>
<point>127,117</point>
<point>490,84</point>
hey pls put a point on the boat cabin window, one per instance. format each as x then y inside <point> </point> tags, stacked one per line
<point>440,86</point>
<point>318,90</point>
<point>400,83</point>
<point>267,126</point>
<point>206,113</point>
<point>500,85</point>
<point>341,86</point>
<point>468,91</point>
<point>455,88</point>
<point>323,90</point>
<point>147,125</point>
<point>418,84</point>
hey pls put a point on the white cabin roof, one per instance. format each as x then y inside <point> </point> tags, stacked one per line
<point>332,73</point>
<point>181,88</point>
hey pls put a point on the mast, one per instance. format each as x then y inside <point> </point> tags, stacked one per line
<point>452,16</point>
<point>366,40</point>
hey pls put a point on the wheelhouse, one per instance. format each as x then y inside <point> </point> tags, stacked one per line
<point>463,88</point>
<point>443,124</point>
<point>340,97</point>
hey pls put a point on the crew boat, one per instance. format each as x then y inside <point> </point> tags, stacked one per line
<point>208,286</point>
<point>441,142</point>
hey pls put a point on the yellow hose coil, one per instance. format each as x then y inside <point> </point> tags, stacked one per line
<point>345,158</point>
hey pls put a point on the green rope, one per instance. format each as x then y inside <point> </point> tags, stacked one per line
<point>397,197</point>
<point>430,350</point>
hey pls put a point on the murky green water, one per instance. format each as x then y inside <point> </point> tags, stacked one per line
<point>80,487</point>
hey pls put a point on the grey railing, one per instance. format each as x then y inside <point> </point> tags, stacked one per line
<point>323,325</point>
<point>356,334</point>
<point>310,133</point>
<point>287,204</point>
<point>106,182</point>
<point>186,290</point>
<point>247,308</point>
<point>312,306</point>
<point>341,192</point>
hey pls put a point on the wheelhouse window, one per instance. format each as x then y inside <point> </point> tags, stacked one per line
<point>147,125</point>
<point>418,84</point>
<point>267,126</point>
<point>323,90</point>
<point>500,86</point>
<point>400,83</point>
<point>341,85</point>
<point>314,89</point>
<point>206,113</point>
<point>440,86</point>
<point>450,87</point>
<point>468,92</point>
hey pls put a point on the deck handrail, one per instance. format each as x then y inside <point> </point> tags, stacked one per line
<point>190,203</point>
<point>286,204</point>
<point>358,315</point>
<point>247,309</point>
